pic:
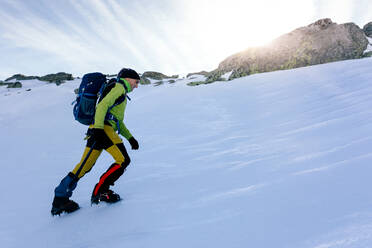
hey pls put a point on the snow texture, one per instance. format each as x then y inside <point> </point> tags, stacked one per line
<point>227,75</point>
<point>280,159</point>
<point>369,46</point>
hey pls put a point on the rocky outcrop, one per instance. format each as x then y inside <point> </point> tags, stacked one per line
<point>15,85</point>
<point>158,83</point>
<point>11,85</point>
<point>368,29</point>
<point>146,76</point>
<point>157,75</point>
<point>57,78</point>
<point>21,77</point>
<point>204,73</point>
<point>196,83</point>
<point>320,42</point>
<point>144,81</point>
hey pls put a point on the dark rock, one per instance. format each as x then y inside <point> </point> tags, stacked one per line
<point>21,77</point>
<point>59,82</point>
<point>144,80</point>
<point>196,83</point>
<point>368,29</point>
<point>155,75</point>
<point>317,43</point>
<point>367,54</point>
<point>171,81</point>
<point>322,23</point>
<point>158,83</point>
<point>15,85</point>
<point>215,75</point>
<point>58,78</point>
<point>204,73</point>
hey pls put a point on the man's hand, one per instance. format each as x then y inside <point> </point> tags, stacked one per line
<point>134,143</point>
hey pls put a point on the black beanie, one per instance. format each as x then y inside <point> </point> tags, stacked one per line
<point>128,73</point>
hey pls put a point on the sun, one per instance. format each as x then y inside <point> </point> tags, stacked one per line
<point>234,25</point>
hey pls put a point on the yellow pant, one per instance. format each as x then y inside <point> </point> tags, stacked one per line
<point>113,145</point>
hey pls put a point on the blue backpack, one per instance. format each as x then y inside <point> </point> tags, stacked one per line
<point>91,88</point>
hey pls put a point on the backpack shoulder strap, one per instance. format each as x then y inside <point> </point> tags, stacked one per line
<point>105,89</point>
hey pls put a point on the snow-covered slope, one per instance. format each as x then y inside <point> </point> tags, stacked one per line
<point>279,159</point>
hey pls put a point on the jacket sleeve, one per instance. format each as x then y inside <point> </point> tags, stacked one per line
<point>103,106</point>
<point>124,131</point>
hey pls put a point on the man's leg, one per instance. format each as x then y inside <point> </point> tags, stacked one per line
<point>63,191</point>
<point>122,160</point>
<point>82,168</point>
<point>68,183</point>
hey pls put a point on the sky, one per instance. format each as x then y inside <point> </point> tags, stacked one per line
<point>173,37</point>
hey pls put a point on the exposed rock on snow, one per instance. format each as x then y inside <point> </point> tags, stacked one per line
<point>368,29</point>
<point>204,73</point>
<point>320,42</point>
<point>20,77</point>
<point>11,84</point>
<point>368,51</point>
<point>157,75</point>
<point>15,85</point>
<point>57,78</point>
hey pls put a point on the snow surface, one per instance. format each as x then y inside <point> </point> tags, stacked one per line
<point>280,159</point>
<point>26,85</point>
<point>369,46</point>
<point>227,75</point>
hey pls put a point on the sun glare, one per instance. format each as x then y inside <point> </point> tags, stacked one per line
<point>234,25</point>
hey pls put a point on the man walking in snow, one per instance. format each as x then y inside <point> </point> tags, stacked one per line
<point>102,136</point>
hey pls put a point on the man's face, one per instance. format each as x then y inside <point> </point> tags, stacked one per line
<point>133,82</point>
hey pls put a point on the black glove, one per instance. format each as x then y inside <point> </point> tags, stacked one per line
<point>98,135</point>
<point>134,143</point>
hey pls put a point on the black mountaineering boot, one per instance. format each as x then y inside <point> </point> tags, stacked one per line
<point>108,196</point>
<point>63,204</point>
<point>101,191</point>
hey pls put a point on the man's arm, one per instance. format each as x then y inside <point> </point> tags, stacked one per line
<point>124,131</point>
